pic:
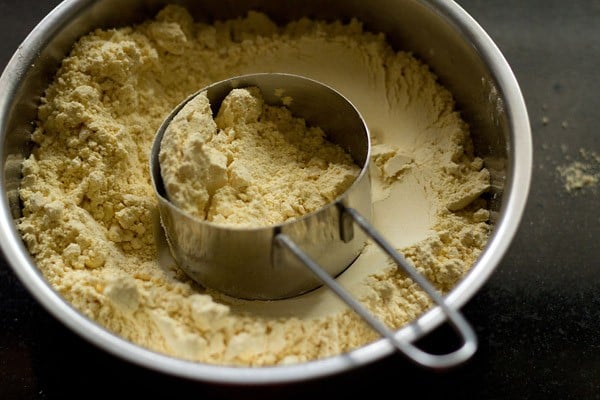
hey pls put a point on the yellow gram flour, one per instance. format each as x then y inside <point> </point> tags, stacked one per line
<point>582,173</point>
<point>90,215</point>
<point>253,165</point>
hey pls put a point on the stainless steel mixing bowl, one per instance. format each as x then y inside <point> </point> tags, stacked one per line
<point>439,32</point>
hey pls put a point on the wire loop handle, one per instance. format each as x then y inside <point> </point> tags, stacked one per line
<point>455,318</point>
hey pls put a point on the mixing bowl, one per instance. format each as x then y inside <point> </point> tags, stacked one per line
<point>440,33</point>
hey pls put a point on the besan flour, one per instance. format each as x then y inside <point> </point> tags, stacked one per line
<point>253,165</point>
<point>90,216</point>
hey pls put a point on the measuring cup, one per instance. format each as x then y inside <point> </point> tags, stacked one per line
<point>292,258</point>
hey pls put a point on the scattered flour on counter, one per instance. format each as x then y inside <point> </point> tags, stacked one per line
<point>580,174</point>
<point>90,216</point>
<point>253,165</point>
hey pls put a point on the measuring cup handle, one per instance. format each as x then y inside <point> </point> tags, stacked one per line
<point>457,321</point>
<point>455,318</point>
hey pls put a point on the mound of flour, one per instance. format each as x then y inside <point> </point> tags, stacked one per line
<point>253,165</point>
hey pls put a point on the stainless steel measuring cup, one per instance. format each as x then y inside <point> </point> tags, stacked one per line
<point>247,262</point>
<point>291,258</point>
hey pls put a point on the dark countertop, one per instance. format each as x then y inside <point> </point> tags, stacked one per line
<point>537,318</point>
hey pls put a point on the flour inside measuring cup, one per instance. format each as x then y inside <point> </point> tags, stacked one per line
<point>253,165</point>
<point>90,217</point>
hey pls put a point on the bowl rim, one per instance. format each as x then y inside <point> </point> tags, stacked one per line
<point>15,252</point>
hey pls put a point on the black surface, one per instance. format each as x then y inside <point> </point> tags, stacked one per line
<point>537,318</point>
